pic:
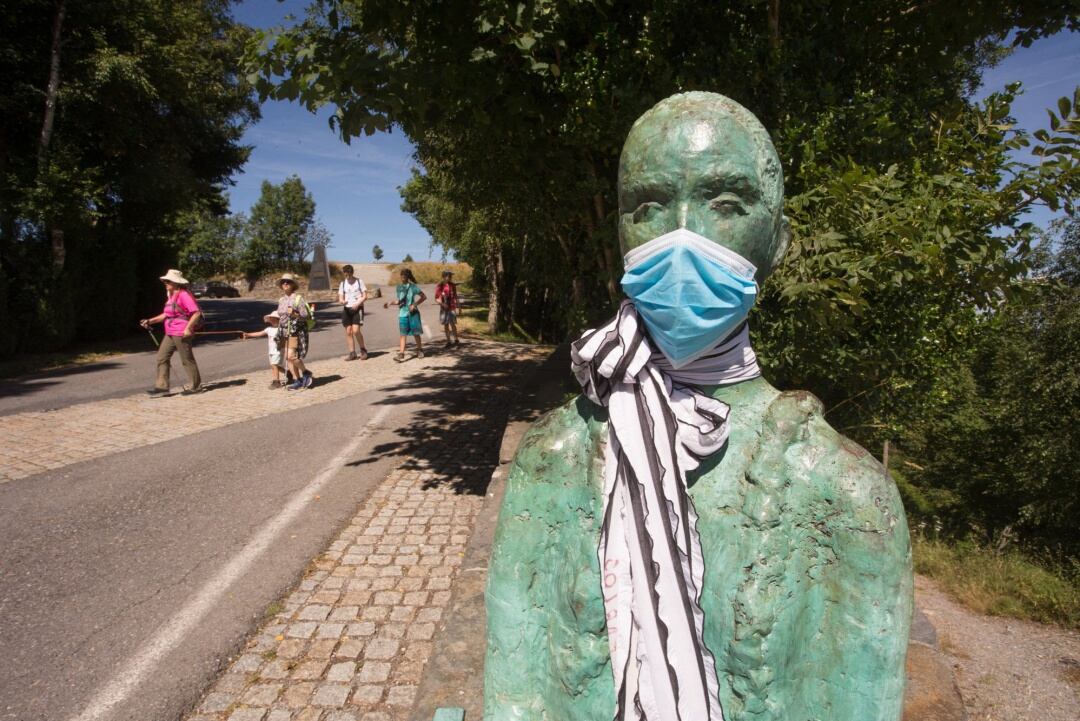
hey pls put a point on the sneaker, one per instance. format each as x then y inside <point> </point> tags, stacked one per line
<point>295,385</point>
<point>363,354</point>
<point>419,354</point>
<point>192,391</point>
<point>400,358</point>
<point>275,384</point>
<point>157,392</point>
<point>350,357</point>
<point>308,380</point>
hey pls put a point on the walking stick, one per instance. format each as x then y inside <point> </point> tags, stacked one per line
<point>153,337</point>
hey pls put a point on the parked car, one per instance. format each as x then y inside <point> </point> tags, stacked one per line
<point>214,289</point>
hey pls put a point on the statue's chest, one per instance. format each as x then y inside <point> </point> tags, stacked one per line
<point>745,517</point>
<point>734,506</point>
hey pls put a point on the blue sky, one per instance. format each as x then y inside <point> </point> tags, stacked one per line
<point>1049,69</point>
<point>355,186</point>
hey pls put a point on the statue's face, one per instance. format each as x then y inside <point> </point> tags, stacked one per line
<point>698,171</point>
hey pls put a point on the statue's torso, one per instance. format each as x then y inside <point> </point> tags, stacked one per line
<point>807,585</point>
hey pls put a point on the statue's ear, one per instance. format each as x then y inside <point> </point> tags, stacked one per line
<point>781,242</point>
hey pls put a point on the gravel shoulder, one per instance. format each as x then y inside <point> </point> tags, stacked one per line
<point>1007,670</point>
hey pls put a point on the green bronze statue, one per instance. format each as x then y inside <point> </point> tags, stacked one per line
<point>798,579</point>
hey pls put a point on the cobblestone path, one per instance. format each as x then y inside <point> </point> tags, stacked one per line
<point>350,642</point>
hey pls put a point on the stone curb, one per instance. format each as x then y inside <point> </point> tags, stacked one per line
<point>453,676</point>
<point>931,693</point>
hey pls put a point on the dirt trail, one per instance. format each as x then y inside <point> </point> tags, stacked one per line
<point>1007,670</point>
<point>372,273</point>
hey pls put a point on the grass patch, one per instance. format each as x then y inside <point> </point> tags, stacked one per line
<point>273,609</point>
<point>474,321</point>
<point>428,272</point>
<point>1001,584</point>
<point>81,354</point>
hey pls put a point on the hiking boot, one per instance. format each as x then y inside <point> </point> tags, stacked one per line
<point>363,354</point>
<point>351,357</point>
<point>157,391</point>
<point>419,354</point>
<point>295,385</point>
<point>400,358</point>
<point>275,384</point>
<point>308,380</point>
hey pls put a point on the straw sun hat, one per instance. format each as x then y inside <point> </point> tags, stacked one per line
<point>173,276</point>
<point>290,278</point>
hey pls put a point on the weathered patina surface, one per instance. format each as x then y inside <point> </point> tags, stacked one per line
<point>808,586</point>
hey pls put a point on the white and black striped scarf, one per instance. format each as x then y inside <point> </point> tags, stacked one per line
<point>659,428</point>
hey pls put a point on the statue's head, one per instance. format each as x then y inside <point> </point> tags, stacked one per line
<point>702,162</point>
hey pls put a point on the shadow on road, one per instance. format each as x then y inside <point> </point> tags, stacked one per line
<point>218,385</point>
<point>22,385</point>
<point>467,405</point>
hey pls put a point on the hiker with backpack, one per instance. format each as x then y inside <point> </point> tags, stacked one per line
<point>181,317</point>
<point>351,294</point>
<point>446,296</point>
<point>296,319</point>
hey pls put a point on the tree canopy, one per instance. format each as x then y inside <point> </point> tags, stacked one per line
<point>906,196</point>
<point>119,118</point>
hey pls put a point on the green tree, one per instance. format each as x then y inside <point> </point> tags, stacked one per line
<point>117,121</point>
<point>215,244</point>
<point>377,253</point>
<point>278,228</point>
<point>888,269</point>
<point>1012,418</point>
<point>407,259</point>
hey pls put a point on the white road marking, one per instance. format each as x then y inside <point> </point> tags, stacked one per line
<point>173,632</point>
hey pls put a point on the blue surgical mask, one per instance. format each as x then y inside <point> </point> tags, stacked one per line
<point>690,292</point>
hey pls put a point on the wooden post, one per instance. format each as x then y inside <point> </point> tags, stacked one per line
<point>885,458</point>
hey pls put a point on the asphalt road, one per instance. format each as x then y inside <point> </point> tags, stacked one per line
<point>218,356</point>
<point>100,557</point>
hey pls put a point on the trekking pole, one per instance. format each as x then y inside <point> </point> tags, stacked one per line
<point>153,337</point>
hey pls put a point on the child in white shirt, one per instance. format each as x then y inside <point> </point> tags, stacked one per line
<point>274,343</point>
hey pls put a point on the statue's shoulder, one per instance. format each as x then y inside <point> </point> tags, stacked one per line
<point>562,445</point>
<point>836,469</point>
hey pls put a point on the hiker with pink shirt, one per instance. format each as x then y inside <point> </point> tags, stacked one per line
<point>180,316</point>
